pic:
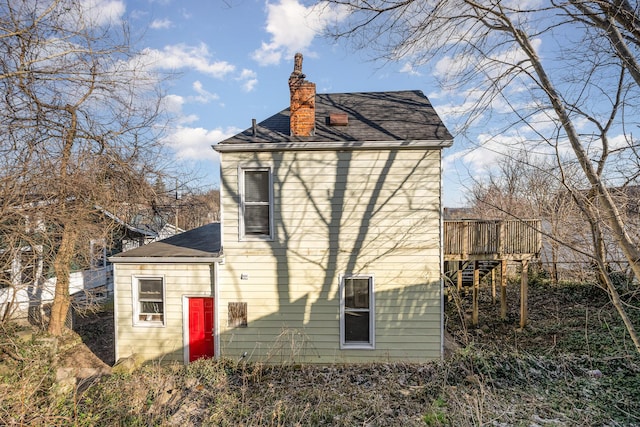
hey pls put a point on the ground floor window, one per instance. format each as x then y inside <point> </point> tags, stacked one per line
<point>148,297</point>
<point>357,314</point>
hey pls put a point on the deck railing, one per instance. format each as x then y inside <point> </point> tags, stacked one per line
<point>498,239</point>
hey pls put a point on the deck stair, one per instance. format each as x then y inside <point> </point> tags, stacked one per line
<point>484,267</point>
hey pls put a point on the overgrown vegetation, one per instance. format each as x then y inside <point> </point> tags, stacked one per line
<point>573,365</point>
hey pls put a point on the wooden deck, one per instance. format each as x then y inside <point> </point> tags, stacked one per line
<point>476,248</point>
<point>469,240</point>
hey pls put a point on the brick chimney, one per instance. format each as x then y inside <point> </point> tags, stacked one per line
<point>303,101</point>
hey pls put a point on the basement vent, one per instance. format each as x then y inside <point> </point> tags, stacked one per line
<point>338,119</point>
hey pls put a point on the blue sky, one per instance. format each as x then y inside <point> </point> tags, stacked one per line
<point>233,59</point>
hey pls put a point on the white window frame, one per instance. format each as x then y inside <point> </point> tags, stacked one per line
<point>135,291</point>
<point>242,203</point>
<point>346,345</point>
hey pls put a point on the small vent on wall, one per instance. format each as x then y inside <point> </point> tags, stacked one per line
<point>338,119</point>
<point>237,314</point>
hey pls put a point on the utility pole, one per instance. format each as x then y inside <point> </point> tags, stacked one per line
<point>175,230</point>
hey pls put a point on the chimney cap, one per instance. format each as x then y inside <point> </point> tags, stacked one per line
<point>297,63</point>
<point>297,73</point>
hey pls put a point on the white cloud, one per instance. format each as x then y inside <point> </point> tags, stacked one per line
<point>249,85</point>
<point>268,54</point>
<point>104,12</point>
<point>293,27</point>
<point>138,14</point>
<point>190,118</point>
<point>409,69</point>
<point>181,56</point>
<point>249,79</point>
<point>173,104</point>
<point>484,157</point>
<point>161,24</point>
<point>197,58</point>
<point>203,96</point>
<point>194,143</point>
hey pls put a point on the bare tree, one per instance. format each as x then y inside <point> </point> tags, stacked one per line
<point>79,123</point>
<point>561,77</point>
<point>183,206</point>
<point>524,188</point>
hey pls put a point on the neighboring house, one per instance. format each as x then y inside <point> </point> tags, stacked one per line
<point>26,284</point>
<point>168,230</point>
<point>329,250</point>
<point>126,236</point>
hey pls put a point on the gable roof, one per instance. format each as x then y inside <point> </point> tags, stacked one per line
<point>198,245</point>
<point>374,120</point>
<point>129,227</point>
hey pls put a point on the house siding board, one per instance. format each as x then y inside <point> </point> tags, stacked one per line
<point>292,283</point>
<point>160,343</point>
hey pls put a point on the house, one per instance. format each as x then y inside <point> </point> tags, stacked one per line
<point>329,249</point>
<point>27,284</point>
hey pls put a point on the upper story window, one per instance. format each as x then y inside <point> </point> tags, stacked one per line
<point>357,314</point>
<point>256,203</point>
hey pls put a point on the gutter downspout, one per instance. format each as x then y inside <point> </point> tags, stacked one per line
<point>441,254</point>
<point>216,306</point>
<point>115,314</point>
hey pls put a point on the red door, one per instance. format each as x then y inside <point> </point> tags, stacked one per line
<point>200,328</point>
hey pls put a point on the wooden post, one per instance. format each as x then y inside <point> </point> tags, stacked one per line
<point>524,291</point>
<point>493,286</point>
<point>476,290</point>
<point>503,289</point>
<point>501,238</point>
<point>465,240</point>
<point>459,276</point>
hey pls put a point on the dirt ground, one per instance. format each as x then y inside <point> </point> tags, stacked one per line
<point>91,344</point>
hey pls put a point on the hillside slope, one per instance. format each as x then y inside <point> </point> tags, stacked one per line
<point>573,365</point>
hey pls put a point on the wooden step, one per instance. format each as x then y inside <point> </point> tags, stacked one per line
<point>484,267</point>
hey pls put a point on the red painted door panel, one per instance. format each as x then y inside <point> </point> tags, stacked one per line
<point>200,328</point>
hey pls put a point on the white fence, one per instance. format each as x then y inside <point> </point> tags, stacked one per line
<point>19,301</point>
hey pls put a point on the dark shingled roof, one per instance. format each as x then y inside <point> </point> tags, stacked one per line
<point>372,116</point>
<point>201,242</point>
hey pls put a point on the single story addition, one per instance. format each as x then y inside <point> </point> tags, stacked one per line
<point>164,297</point>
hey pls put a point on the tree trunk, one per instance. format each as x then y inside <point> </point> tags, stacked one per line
<point>614,296</point>
<point>610,211</point>
<point>62,268</point>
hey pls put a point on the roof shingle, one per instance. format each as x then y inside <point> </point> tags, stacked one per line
<point>201,242</point>
<point>372,116</point>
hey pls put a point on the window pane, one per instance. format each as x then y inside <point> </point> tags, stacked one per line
<point>150,289</point>
<point>356,327</point>
<point>256,219</point>
<point>356,293</point>
<point>147,307</point>
<point>256,186</point>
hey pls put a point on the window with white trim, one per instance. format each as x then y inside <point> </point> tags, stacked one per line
<point>148,301</point>
<point>256,203</point>
<point>357,314</point>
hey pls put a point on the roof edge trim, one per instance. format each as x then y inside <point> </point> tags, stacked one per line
<point>166,260</point>
<point>331,146</point>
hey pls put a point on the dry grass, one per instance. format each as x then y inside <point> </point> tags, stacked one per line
<point>572,366</point>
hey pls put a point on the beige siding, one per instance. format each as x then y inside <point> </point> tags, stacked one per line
<point>357,212</point>
<point>159,343</point>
